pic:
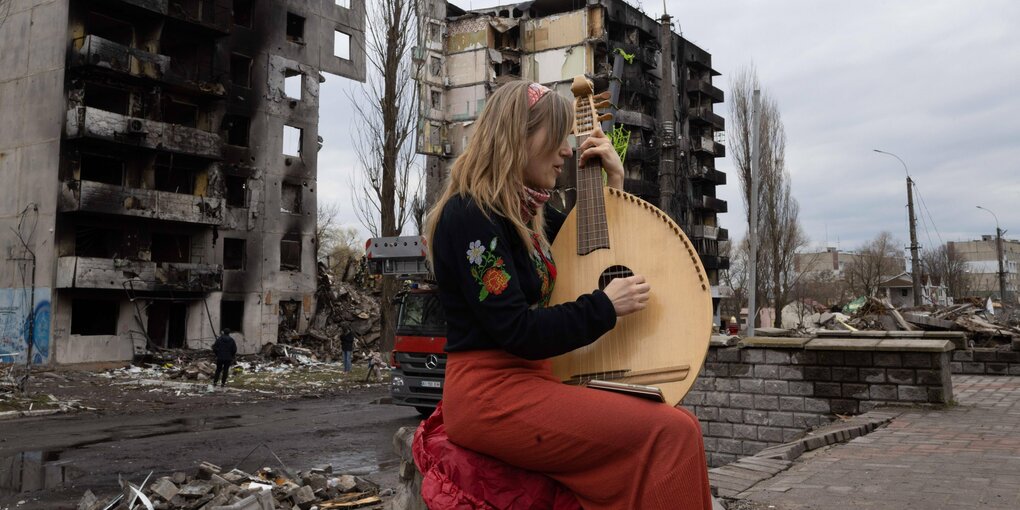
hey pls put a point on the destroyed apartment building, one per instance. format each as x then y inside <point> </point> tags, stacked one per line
<point>463,56</point>
<point>159,170</point>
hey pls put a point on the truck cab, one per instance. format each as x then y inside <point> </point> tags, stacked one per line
<point>418,358</point>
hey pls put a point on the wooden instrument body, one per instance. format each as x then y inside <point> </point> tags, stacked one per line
<point>663,345</point>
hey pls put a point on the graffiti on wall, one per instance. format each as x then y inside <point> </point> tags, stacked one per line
<point>18,325</point>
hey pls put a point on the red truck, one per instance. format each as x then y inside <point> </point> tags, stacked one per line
<point>418,358</point>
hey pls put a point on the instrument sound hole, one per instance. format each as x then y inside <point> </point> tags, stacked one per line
<point>613,272</point>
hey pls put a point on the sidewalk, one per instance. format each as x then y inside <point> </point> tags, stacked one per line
<point>966,456</point>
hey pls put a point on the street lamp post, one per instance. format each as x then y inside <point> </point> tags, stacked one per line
<point>915,265</point>
<point>998,253</point>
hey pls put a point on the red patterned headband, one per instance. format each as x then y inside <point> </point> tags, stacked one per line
<point>535,92</point>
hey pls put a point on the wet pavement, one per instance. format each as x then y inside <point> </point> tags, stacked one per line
<point>961,457</point>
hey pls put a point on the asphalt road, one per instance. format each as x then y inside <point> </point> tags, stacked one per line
<point>49,462</point>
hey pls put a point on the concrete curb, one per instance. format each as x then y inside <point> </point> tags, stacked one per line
<point>10,415</point>
<point>734,478</point>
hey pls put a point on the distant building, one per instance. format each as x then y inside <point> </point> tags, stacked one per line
<point>981,265</point>
<point>899,290</point>
<point>159,164</point>
<point>831,261</point>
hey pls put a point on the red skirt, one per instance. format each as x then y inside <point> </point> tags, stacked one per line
<point>612,451</point>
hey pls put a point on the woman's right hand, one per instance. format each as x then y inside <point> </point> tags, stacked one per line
<point>628,295</point>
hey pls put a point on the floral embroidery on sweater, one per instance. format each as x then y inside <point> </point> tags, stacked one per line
<point>487,269</point>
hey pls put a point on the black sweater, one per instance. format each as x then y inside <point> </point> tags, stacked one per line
<point>491,287</point>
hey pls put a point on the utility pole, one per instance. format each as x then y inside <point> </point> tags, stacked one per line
<point>999,254</point>
<point>752,314</point>
<point>667,121</point>
<point>915,264</point>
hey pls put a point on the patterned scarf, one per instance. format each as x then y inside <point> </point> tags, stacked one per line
<point>531,201</point>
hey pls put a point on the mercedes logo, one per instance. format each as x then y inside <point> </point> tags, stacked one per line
<point>432,362</point>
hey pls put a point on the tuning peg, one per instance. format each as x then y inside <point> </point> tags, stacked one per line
<point>603,104</point>
<point>605,116</point>
<point>604,96</point>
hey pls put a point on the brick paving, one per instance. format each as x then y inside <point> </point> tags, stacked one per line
<point>964,456</point>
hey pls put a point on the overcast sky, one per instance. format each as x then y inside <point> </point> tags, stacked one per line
<point>937,82</point>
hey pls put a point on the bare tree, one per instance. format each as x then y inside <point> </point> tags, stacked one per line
<point>779,232</point>
<point>946,267</point>
<point>384,142</point>
<point>877,260</point>
<point>327,228</point>
<point>5,10</point>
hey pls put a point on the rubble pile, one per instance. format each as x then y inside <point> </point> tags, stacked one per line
<point>213,488</point>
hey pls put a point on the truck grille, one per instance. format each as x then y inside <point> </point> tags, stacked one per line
<point>422,364</point>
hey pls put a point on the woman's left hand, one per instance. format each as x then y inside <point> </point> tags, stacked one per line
<point>598,145</point>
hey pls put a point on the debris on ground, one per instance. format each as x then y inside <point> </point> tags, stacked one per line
<point>216,488</point>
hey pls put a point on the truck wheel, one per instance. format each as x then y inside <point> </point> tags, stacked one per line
<point>424,411</point>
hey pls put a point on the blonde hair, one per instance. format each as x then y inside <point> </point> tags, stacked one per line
<point>491,168</point>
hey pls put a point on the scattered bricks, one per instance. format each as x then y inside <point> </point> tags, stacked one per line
<point>817,373</point>
<point>963,355</point>
<point>786,452</point>
<point>752,356</point>
<point>741,370</point>
<point>753,447</point>
<point>751,385</point>
<point>770,434</point>
<point>781,419</point>
<point>859,359</point>
<point>791,403</point>
<point>912,393</point>
<point>788,372</point>
<point>816,405</point>
<point>872,375</point>
<point>179,478</point>
<point>206,470</point>
<point>970,367</point>
<point>766,402</point>
<point>742,401</point>
<point>917,360</point>
<point>900,376</point>
<point>729,415</point>
<point>303,497</point>
<point>844,374</point>
<point>984,354</point>
<point>766,371</point>
<point>164,488</point>
<point>804,357</point>
<point>729,355</point>
<point>777,357</point>
<point>730,446</point>
<point>756,417</point>
<point>706,413</point>
<point>827,390</point>
<point>858,391</point>
<point>717,398</point>
<point>814,442</point>
<point>791,434</point>
<point>776,387</point>
<point>196,489</point>
<point>720,429</point>
<point>830,358</point>
<point>882,392</point>
<point>996,368</point>
<point>801,388</point>
<point>843,406</point>
<point>727,384</point>
<point>888,359</point>
<point>694,398</point>
<point>745,432</point>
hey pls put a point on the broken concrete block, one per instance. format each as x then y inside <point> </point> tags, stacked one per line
<point>343,483</point>
<point>87,501</point>
<point>316,481</point>
<point>236,476</point>
<point>200,502</point>
<point>195,489</point>
<point>206,470</point>
<point>261,501</point>
<point>179,478</point>
<point>219,481</point>
<point>363,485</point>
<point>164,488</point>
<point>322,469</point>
<point>303,497</point>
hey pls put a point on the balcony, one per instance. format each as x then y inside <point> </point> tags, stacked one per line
<point>706,88</point>
<point>632,118</point>
<point>137,275</point>
<point>704,115</point>
<point>724,235</point>
<point>710,204</point>
<point>642,153</point>
<point>88,196</point>
<point>715,262</point>
<point>644,54</point>
<point>86,122</point>
<point>212,16</point>
<point>96,51</point>
<point>711,175</point>
<point>708,146</point>
<point>704,232</point>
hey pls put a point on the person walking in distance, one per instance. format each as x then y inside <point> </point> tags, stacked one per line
<point>347,346</point>
<point>225,350</point>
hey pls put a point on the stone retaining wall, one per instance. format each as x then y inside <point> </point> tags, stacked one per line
<point>985,362</point>
<point>768,391</point>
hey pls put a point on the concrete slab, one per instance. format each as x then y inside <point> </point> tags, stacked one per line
<point>915,345</point>
<point>775,342</point>
<point>842,344</point>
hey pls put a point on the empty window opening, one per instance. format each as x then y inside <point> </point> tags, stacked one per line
<point>240,70</point>
<point>243,13</point>
<point>292,141</point>
<point>167,325</point>
<point>290,252</point>
<point>290,312</point>
<point>237,130</point>
<point>234,253</point>
<point>437,99</point>
<point>111,29</point>
<point>96,242</point>
<point>232,315</point>
<point>341,45</point>
<point>175,179</point>
<point>434,32</point>
<point>292,84</point>
<point>171,248</point>
<point>346,4</point>
<point>295,28</point>
<point>102,169</point>
<point>435,66</point>
<point>176,112</point>
<point>237,191</point>
<point>188,60</point>
<point>290,199</point>
<point>107,98</point>
<point>94,316</point>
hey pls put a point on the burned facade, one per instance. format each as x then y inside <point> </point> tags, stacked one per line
<point>666,107</point>
<point>160,168</point>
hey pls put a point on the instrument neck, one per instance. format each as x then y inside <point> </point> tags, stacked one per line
<point>592,229</point>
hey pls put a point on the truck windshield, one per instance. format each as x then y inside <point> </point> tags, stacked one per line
<point>421,314</point>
